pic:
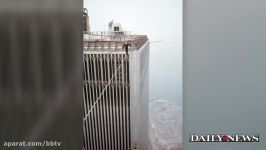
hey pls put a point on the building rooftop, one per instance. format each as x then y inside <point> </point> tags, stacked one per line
<point>112,40</point>
<point>106,41</point>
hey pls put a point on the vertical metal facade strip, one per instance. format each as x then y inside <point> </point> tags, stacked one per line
<point>128,102</point>
<point>87,89</point>
<point>120,102</point>
<point>123,104</point>
<point>84,124</point>
<point>114,103</point>
<point>89,126</point>
<point>94,99</point>
<point>109,103</point>
<point>102,104</point>
<point>106,101</point>
<point>98,105</point>
<point>91,98</point>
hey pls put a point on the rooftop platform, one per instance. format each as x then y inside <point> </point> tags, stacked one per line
<point>106,41</point>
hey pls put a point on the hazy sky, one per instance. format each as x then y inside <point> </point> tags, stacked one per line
<point>159,20</point>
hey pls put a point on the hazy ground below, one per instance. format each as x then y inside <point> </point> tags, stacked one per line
<point>165,125</point>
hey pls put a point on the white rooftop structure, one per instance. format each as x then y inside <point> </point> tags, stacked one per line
<point>115,27</point>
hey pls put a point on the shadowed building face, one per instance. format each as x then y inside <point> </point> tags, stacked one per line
<point>41,72</point>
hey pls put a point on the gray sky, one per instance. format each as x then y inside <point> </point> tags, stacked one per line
<point>159,20</point>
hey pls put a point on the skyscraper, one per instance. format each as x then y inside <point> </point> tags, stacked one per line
<point>116,90</point>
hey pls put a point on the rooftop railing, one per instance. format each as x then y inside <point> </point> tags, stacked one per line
<point>135,41</point>
<point>106,35</point>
